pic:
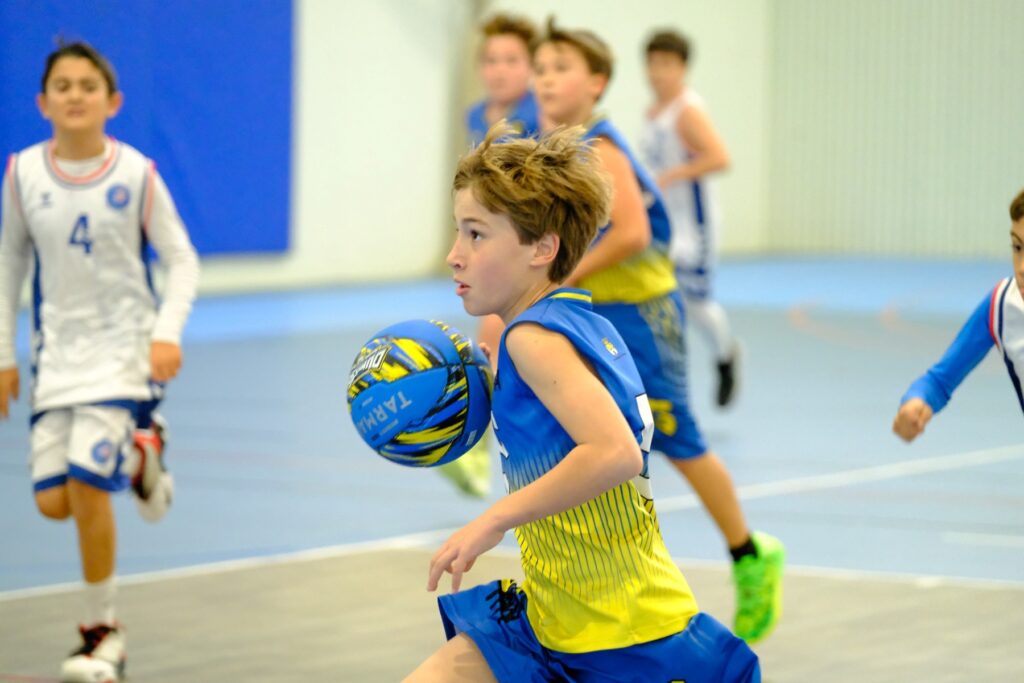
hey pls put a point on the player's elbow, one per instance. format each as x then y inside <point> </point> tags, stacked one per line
<point>629,461</point>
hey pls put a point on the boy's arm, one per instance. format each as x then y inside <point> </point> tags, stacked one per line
<point>606,452</point>
<point>695,128</point>
<point>931,391</point>
<point>15,256</point>
<point>169,238</point>
<point>630,230</point>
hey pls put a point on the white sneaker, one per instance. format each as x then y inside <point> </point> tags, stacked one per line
<point>152,484</point>
<point>100,659</point>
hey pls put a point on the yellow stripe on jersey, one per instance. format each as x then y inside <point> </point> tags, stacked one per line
<point>578,296</point>
<point>598,576</point>
<point>641,277</point>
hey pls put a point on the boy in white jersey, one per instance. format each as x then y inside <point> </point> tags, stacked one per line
<point>602,599</point>
<point>684,150</point>
<point>505,74</point>
<point>84,209</point>
<point>998,319</point>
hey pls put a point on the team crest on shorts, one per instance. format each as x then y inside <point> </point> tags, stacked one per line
<point>102,452</point>
<point>118,196</point>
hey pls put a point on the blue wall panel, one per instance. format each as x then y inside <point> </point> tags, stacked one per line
<point>208,96</point>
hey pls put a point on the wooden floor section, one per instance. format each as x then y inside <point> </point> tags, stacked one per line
<point>367,617</point>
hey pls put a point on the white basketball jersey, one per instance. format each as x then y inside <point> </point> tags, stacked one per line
<point>1006,322</point>
<point>93,306</point>
<point>692,205</point>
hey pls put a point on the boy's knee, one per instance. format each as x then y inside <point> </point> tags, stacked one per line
<point>53,503</point>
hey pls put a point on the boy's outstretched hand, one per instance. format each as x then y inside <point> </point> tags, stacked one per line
<point>911,419</point>
<point>460,551</point>
<point>8,390</point>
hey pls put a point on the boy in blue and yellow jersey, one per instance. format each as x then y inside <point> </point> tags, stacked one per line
<point>601,600</point>
<point>998,319</point>
<point>634,286</point>
<point>505,73</point>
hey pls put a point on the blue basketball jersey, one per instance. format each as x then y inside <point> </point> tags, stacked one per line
<point>598,575</point>
<point>650,273</point>
<point>524,117</point>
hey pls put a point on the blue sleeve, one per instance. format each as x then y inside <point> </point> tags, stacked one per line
<point>972,343</point>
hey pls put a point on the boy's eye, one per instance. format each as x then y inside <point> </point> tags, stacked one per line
<point>473,234</point>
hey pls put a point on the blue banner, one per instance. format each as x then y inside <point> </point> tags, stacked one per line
<point>207,94</point>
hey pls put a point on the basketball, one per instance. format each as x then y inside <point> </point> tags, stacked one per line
<point>419,393</point>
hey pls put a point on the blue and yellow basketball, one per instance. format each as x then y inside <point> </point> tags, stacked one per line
<point>419,393</point>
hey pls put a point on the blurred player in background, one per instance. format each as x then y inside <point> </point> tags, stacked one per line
<point>684,151</point>
<point>634,286</point>
<point>505,73</point>
<point>84,208</point>
<point>602,599</point>
<point>998,319</point>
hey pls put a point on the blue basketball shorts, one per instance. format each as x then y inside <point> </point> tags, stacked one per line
<point>494,617</point>
<point>654,332</point>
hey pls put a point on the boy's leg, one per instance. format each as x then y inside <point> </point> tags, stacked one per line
<point>713,485</point>
<point>457,661</point>
<point>98,438</point>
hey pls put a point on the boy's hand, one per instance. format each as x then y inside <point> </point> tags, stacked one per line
<point>8,390</point>
<point>460,551</point>
<point>911,419</point>
<point>165,361</point>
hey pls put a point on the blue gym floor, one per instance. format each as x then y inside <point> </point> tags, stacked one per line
<point>267,462</point>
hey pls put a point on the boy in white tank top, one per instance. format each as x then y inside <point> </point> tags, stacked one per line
<point>84,209</point>
<point>683,150</point>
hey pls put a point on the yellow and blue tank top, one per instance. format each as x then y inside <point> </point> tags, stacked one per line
<point>650,273</point>
<point>597,576</point>
<point>524,117</point>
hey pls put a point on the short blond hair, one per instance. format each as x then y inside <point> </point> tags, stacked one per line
<point>599,57</point>
<point>554,184</point>
<point>1017,207</point>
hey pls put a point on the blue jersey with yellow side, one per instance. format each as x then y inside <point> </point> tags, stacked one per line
<point>598,576</point>
<point>524,117</point>
<point>650,273</point>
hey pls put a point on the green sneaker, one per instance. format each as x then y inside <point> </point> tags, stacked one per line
<point>471,473</point>
<point>758,582</point>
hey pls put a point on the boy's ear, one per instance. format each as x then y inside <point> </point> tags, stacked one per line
<point>546,249</point>
<point>598,84</point>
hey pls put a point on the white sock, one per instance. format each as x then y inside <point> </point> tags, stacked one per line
<point>711,320</point>
<point>99,601</point>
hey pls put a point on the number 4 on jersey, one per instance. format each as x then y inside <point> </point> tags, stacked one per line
<point>80,234</point>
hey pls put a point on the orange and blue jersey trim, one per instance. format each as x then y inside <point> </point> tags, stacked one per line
<point>54,168</point>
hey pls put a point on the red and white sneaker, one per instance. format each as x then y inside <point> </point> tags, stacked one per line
<point>100,659</point>
<point>152,483</point>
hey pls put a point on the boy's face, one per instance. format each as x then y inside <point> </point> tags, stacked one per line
<point>665,72</point>
<point>505,68</point>
<point>489,264</point>
<point>566,88</point>
<point>77,98</point>
<point>1017,246</point>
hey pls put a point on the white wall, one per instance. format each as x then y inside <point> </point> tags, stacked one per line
<point>897,126</point>
<point>374,88</point>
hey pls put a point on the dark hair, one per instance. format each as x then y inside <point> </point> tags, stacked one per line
<point>1017,207</point>
<point>510,25</point>
<point>82,50</point>
<point>670,41</point>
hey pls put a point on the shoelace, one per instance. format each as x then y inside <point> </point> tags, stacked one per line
<point>92,638</point>
<point>506,603</point>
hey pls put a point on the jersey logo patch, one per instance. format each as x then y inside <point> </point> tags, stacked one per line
<point>611,347</point>
<point>102,452</point>
<point>46,201</point>
<point>118,196</point>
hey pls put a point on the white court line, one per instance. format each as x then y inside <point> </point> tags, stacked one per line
<point>999,540</point>
<point>820,482</point>
<point>428,538</point>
